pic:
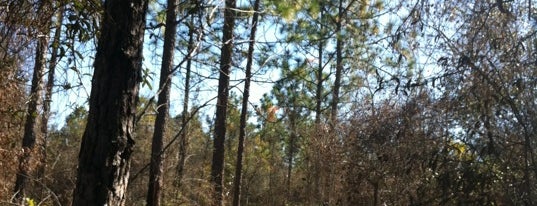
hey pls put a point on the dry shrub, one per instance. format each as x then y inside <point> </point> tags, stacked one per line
<point>11,121</point>
<point>389,156</point>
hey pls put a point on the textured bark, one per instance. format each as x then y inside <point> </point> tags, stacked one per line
<point>32,136</point>
<point>244,109</point>
<point>107,143</point>
<point>156,165</point>
<point>217,165</point>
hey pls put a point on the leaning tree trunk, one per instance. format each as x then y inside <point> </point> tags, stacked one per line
<point>244,109</point>
<point>217,165</point>
<point>155,170</point>
<point>32,136</point>
<point>107,143</point>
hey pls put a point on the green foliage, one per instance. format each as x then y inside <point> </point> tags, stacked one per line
<point>83,20</point>
<point>286,9</point>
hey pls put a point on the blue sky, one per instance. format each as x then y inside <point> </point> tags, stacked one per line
<point>64,101</point>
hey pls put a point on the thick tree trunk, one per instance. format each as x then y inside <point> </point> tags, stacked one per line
<point>244,109</point>
<point>108,140</point>
<point>32,136</point>
<point>156,167</point>
<point>217,166</point>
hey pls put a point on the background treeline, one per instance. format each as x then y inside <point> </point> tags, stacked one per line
<point>340,102</point>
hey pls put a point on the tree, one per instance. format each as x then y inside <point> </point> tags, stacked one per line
<point>54,58</point>
<point>320,68</point>
<point>108,140</point>
<point>244,109</point>
<point>163,104</point>
<point>339,63</point>
<point>32,135</point>
<point>185,116</point>
<point>217,165</point>
<point>13,51</point>
<point>295,96</point>
<point>487,77</point>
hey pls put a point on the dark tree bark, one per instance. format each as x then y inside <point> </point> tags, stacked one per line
<point>319,74</point>
<point>339,65</point>
<point>292,148</point>
<point>32,136</point>
<point>217,165</point>
<point>163,105</point>
<point>107,143</point>
<point>244,109</point>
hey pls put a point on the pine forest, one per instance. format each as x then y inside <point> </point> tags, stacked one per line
<point>268,102</point>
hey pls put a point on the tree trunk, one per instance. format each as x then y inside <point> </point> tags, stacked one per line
<point>183,142</point>
<point>244,109</point>
<point>32,134</point>
<point>217,166</point>
<point>339,65</point>
<point>156,165</point>
<point>313,180</point>
<point>319,75</point>
<point>292,148</point>
<point>107,143</point>
<point>48,91</point>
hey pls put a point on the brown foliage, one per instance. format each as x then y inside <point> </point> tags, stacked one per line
<point>11,121</point>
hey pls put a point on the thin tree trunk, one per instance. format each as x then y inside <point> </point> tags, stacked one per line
<point>375,193</point>
<point>184,141</point>
<point>244,109</point>
<point>32,135</point>
<point>108,140</point>
<point>314,169</point>
<point>217,166</point>
<point>48,91</point>
<point>319,91</point>
<point>271,184</point>
<point>292,140</point>
<point>335,101</point>
<point>339,65</point>
<point>163,104</point>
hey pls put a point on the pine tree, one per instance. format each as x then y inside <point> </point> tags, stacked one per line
<point>108,140</point>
